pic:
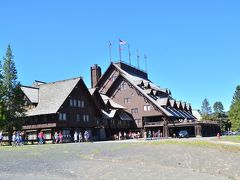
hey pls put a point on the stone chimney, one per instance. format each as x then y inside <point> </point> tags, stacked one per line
<point>95,75</point>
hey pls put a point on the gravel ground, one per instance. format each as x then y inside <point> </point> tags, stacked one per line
<point>122,160</point>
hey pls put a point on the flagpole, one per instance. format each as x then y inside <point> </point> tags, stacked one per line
<point>145,57</point>
<point>137,58</point>
<point>110,51</point>
<point>129,54</point>
<point>120,55</point>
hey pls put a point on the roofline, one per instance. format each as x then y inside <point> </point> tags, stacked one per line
<point>29,87</point>
<point>139,89</point>
<point>119,61</point>
<point>104,74</point>
<point>80,77</point>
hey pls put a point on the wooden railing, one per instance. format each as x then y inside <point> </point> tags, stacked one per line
<point>157,123</point>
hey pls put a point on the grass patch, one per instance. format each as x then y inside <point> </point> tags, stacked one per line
<point>231,139</point>
<point>202,144</point>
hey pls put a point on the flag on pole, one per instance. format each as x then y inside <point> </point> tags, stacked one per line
<point>121,42</point>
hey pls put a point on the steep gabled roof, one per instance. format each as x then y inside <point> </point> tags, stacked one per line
<point>163,101</point>
<point>108,101</point>
<point>131,79</point>
<point>179,104</point>
<point>173,103</point>
<point>52,96</point>
<point>159,97</point>
<point>31,93</point>
<point>92,90</point>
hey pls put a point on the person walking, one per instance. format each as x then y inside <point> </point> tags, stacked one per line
<point>75,136</point>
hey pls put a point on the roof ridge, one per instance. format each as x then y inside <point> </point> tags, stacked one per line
<point>64,80</point>
<point>29,87</point>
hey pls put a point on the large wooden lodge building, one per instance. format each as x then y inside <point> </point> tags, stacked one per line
<point>122,99</point>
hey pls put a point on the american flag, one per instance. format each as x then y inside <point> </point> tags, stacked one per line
<point>121,42</point>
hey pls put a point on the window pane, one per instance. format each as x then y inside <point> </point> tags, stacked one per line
<point>64,116</point>
<point>60,116</point>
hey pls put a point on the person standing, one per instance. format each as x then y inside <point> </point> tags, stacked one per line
<point>86,136</point>
<point>75,136</point>
<point>145,135</point>
<point>80,137</point>
<point>56,137</point>
<point>14,139</point>
<point>40,137</point>
<point>60,137</point>
<point>125,135</point>
<point>1,138</point>
<point>119,135</point>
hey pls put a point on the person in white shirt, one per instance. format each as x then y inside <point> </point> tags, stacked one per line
<point>75,136</point>
<point>1,138</point>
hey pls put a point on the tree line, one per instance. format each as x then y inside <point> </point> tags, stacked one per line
<point>227,120</point>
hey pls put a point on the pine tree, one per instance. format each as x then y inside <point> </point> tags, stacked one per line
<point>218,107</point>
<point>236,96</point>
<point>1,97</point>
<point>234,113</point>
<point>220,116</point>
<point>206,109</point>
<point>12,101</point>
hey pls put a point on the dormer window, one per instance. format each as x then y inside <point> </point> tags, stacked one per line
<point>146,107</point>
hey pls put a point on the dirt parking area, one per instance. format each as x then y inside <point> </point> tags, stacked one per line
<point>173,159</point>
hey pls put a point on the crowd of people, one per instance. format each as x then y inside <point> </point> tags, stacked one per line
<point>130,135</point>
<point>78,137</point>
<point>18,138</point>
<point>153,134</point>
<point>135,135</point>
<point>58,137</point>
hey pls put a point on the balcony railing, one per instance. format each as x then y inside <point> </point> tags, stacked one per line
<point>158,123</point>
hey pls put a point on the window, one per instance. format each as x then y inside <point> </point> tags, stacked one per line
<point>127,100</point>
<point>78,117</point>
<point>45,118</point>
<point>86,118</point>
<point>62,116</point>
<point>71,102</point>
<point>75,103</point>
<point>146,107</point>
<point>83,104</point>
<point>79,103</point>
<point>134,110</point>
<point>123,86</point>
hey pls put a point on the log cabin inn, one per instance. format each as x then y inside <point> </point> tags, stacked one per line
<point>122,99</point>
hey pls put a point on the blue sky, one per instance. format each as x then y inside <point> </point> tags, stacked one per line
<point>193,47</point>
